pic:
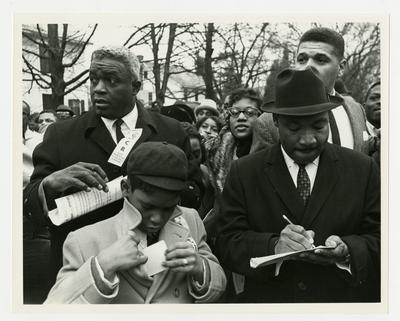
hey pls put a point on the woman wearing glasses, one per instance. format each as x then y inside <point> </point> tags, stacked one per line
<point>234,141</point>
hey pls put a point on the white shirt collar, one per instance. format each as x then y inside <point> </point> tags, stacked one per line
<point>290,162</point>
<point>130,120</point>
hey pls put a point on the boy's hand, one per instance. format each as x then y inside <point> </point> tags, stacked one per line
<point>182,257</point>
<point>121,255</point>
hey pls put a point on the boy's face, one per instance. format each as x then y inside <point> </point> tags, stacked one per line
<point>156,206</point>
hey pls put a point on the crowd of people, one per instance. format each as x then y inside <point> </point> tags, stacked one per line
<point>218,184</point>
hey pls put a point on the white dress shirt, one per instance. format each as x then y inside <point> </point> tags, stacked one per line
<point>311,168</point>
<point>129,123</point>
<point>344,126</point>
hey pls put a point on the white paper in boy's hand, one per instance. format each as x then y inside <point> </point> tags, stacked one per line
<point>156,255</point>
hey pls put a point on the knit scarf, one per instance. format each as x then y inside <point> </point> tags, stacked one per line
<point>220,154</point>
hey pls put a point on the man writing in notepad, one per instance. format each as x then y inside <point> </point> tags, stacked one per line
<point>330,195</point>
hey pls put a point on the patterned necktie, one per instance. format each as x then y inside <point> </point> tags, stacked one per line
<point>118,130</point>
<point>303,184</point>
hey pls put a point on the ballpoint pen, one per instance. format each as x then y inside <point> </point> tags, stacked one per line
<point>290,222</point>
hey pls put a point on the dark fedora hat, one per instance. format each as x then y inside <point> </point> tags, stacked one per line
<point>300,93</point>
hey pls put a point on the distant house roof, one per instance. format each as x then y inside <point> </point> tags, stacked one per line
<point>184,79</point>
<point>33,32</point>
<point>188,80</point>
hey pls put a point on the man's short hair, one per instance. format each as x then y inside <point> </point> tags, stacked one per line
<point>374,84</point>
<point>328,36</point>
<point>120,54</point>
<point>241,93</point>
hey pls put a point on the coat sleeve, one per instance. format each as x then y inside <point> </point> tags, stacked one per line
<point>237,242</point>
<point>364,247</point>
<point>76,281</point>
<point>217,276</point>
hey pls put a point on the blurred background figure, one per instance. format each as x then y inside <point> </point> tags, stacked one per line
<point>64,112</point>
<point>372,107</point>
<point>36,243</point>
<point>207,108</point>
<point>155,106</point>
<point>209,127</point>
<point>29,139</point>
<point>46,117</point>
<point>179,111</point>
<point>194,191</point>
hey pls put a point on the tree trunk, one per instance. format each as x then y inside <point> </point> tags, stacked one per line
<point>156,64</point>
<point>208,74</point>
<point>56,66</point>
<point>171,39</point>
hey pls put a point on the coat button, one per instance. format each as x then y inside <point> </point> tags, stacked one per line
<point>302,286</point>
<point>176,292</point>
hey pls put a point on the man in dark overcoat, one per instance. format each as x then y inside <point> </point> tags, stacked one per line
<point>300,193</point>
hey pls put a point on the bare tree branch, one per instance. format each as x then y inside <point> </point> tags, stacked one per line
<point>76,86</point>
<point>135,33</point>
<point>76,58</point>
<point>76,78</point>
<point>34,53</point>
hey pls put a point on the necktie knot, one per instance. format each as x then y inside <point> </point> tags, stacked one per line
<point>118,130</point>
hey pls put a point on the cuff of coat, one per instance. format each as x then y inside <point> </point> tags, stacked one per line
<point>95,294</point>
<point>42,198</point>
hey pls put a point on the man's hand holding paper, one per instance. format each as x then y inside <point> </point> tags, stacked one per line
<point>82,176</point>
<point>336,253</point>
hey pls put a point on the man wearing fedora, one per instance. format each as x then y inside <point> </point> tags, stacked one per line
<point>299,193</point>
<point>323,50</point>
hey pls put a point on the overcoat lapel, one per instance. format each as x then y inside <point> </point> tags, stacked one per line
<point>325,180</point>
<point>357,121</point>
<point>146,123</point>
<point>98,133</point>
<point>279,176</point>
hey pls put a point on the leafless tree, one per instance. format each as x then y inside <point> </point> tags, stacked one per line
<point>56,54</point>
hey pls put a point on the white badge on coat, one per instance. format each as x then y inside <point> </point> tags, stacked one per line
<point>125,145</point>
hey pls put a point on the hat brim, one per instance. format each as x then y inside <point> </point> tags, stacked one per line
<point>303,110</point>
<point>214,111</point>
<point>167,183</point>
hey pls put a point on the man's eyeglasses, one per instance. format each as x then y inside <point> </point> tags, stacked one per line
<point>248,112</point>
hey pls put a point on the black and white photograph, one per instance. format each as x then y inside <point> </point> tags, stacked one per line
<point>223,163</point>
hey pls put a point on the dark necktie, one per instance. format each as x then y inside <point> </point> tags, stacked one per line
<point>334,128</point>
<point>118,130</point>
<point>303,184</point>
<point>152,238</point>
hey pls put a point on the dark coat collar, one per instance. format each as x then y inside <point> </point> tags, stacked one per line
<point>97,131</point>
<point>326,178</point>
